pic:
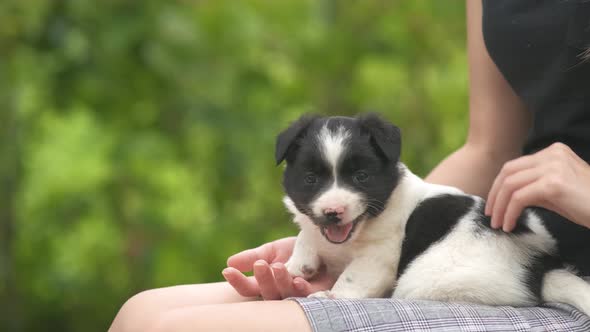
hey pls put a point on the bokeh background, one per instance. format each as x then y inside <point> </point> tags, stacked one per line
<point>137,137</point>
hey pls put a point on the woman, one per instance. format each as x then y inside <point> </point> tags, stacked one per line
<point>530,88</point>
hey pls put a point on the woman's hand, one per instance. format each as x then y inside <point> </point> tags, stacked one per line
<point>554,178</point>
<point>271,280</point>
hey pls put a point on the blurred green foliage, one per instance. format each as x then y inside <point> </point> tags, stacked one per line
<point>136,137</point>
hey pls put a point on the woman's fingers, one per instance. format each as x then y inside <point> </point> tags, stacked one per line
<point>275,251</point>
<point>301,287</point>
<point>511,184</point>
<point>508,169</point>
<point>530,195</point>
<point>245,286</point>
<point>271,282</point>
<point>266,281</point>
<point>283,280</point>
<point>540,169</point>
<point>243,261</point>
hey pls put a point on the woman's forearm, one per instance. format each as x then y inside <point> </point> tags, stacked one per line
<point>498,120</point>
<point>470,168</point>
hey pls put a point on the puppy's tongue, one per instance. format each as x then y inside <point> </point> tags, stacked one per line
<point>337,233</point>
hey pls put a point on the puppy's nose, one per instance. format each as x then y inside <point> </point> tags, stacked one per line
<point>332,217</point>
<point>334,214</point>
<point>337,210</point>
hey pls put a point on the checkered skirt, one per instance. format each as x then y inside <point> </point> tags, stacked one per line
<point>396,315</point>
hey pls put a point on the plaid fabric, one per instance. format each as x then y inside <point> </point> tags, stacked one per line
<point>394,315</point>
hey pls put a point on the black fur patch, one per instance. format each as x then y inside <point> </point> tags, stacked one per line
<point>382,175</point>
<point>287,140</point>
<point>573,240</point>
<point>485,223</point>
<point>537,268</point>
<point>432,220</point>
<point>364,167</point>
<point>539,264</point>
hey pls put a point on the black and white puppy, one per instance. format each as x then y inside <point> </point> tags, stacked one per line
<point>382,230</point>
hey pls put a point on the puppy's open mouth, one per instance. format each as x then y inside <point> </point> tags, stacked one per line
<point>339,233</point>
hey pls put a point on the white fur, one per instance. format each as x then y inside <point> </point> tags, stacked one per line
<point>366,263</point>
<point>465,266</point>
<point>332,145</point>
<point>564,286</point>
<point>337,196</point>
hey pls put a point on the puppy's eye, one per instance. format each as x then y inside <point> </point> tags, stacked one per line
<point>360,176</point>
<point>311,178</point>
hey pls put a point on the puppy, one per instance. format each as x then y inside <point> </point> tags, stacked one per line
<point>384,232</point>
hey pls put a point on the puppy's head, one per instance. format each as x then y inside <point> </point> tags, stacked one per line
<point>340,170</point>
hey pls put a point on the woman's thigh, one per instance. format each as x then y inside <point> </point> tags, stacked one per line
<point>245,316</point>
<point>142,309</point>
<point>218,305</point>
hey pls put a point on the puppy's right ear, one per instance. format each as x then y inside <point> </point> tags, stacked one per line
<point>286,139</point>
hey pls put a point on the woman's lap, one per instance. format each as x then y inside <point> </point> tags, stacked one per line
<point>395,315</point>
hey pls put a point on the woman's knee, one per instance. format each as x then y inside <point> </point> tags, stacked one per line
<point>138,313</point>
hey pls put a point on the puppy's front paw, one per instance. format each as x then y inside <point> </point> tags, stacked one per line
<point>323,294</point>
<point>305,271</point>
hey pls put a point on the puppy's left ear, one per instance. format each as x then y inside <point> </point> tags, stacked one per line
<point>286,141</point>
<point>384,135</point>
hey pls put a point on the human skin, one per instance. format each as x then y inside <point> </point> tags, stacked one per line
<point>498,125</point>
<point>554,178</point>
<point>271,280</point>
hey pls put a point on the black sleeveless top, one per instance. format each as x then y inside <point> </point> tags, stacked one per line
<point>537,44</point>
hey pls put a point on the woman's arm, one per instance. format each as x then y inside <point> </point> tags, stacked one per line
<point>498,120</point>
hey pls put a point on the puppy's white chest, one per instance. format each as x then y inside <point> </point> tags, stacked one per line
<point>336,257</point>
